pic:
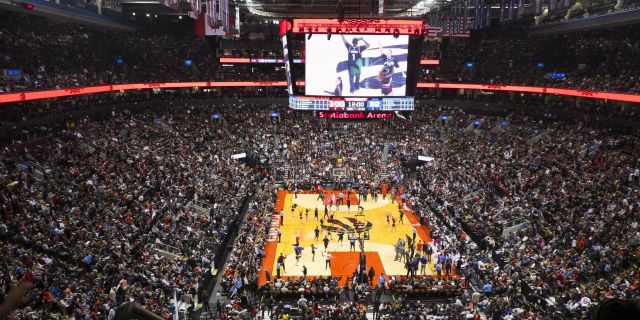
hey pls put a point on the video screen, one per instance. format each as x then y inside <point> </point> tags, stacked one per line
<point>356,65</point>
<point>287,64</point>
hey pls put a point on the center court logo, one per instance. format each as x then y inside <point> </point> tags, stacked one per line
<point>347,225</point>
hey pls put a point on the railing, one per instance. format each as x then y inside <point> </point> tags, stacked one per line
<point>514,226</point>
<point>200,207</point>
<point>170,251</point>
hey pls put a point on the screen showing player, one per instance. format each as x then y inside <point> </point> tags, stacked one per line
<point>287,65</point>
<point>356,65</point>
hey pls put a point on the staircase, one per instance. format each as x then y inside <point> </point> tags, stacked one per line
<point>34,169</point>
<point>200,208</point>
<point>384,175</point>
<point>540,136</point>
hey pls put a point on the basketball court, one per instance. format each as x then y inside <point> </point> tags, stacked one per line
<point>365,219</point>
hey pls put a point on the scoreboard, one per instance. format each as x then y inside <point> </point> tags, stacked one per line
<point>312,103</point>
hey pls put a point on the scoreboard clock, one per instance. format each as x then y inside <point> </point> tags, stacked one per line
<point>312,103</point>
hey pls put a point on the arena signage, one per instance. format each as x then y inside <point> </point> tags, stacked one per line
<point>48,94</point>
<point>360,26</point>
<point>355,115</point>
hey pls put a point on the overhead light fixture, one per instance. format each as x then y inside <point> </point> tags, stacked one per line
<point>133,13</point>
<point>148,15</point>
<point>180,17</point>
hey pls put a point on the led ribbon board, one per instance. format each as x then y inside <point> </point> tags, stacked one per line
<point>47,94</point>
<point>360,26</point>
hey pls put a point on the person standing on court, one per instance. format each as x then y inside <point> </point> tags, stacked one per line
<point>428,252</point>
<point>327,261</point>
<point>282,217</point>
<point>382,280</point>
<point>281,261</point>
<point>423,265</point>
<point>352,242</point>
<point>372,273</point>
<point>326,241</point>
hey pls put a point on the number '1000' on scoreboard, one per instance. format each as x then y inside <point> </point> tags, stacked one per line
<point>351,103</point>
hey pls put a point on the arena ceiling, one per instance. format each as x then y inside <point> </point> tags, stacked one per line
<point>329,8</point>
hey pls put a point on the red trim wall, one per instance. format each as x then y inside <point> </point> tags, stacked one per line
<point>46,94</point>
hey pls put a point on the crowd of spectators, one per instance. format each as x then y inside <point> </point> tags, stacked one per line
<point>109,217</point>
<point>110,220</point>
<point>78,56</point>
<point>589,60</point>
<point>588,9</point>
<point>576,189</point>
<point>82,56</point>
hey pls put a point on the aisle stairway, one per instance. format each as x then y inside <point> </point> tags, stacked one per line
<point>384,175</point>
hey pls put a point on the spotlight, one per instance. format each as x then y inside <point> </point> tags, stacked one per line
<point>180,17</point>
<point>148,15</point>
<point>133,13</point>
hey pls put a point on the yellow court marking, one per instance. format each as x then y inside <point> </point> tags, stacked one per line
<point>382,236</point>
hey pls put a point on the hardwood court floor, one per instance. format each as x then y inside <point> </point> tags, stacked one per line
<point>379,248</point>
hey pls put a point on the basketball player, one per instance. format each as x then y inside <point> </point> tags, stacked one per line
<point>389,67</point>
<point>354,60</point>
<point>337,91</point>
